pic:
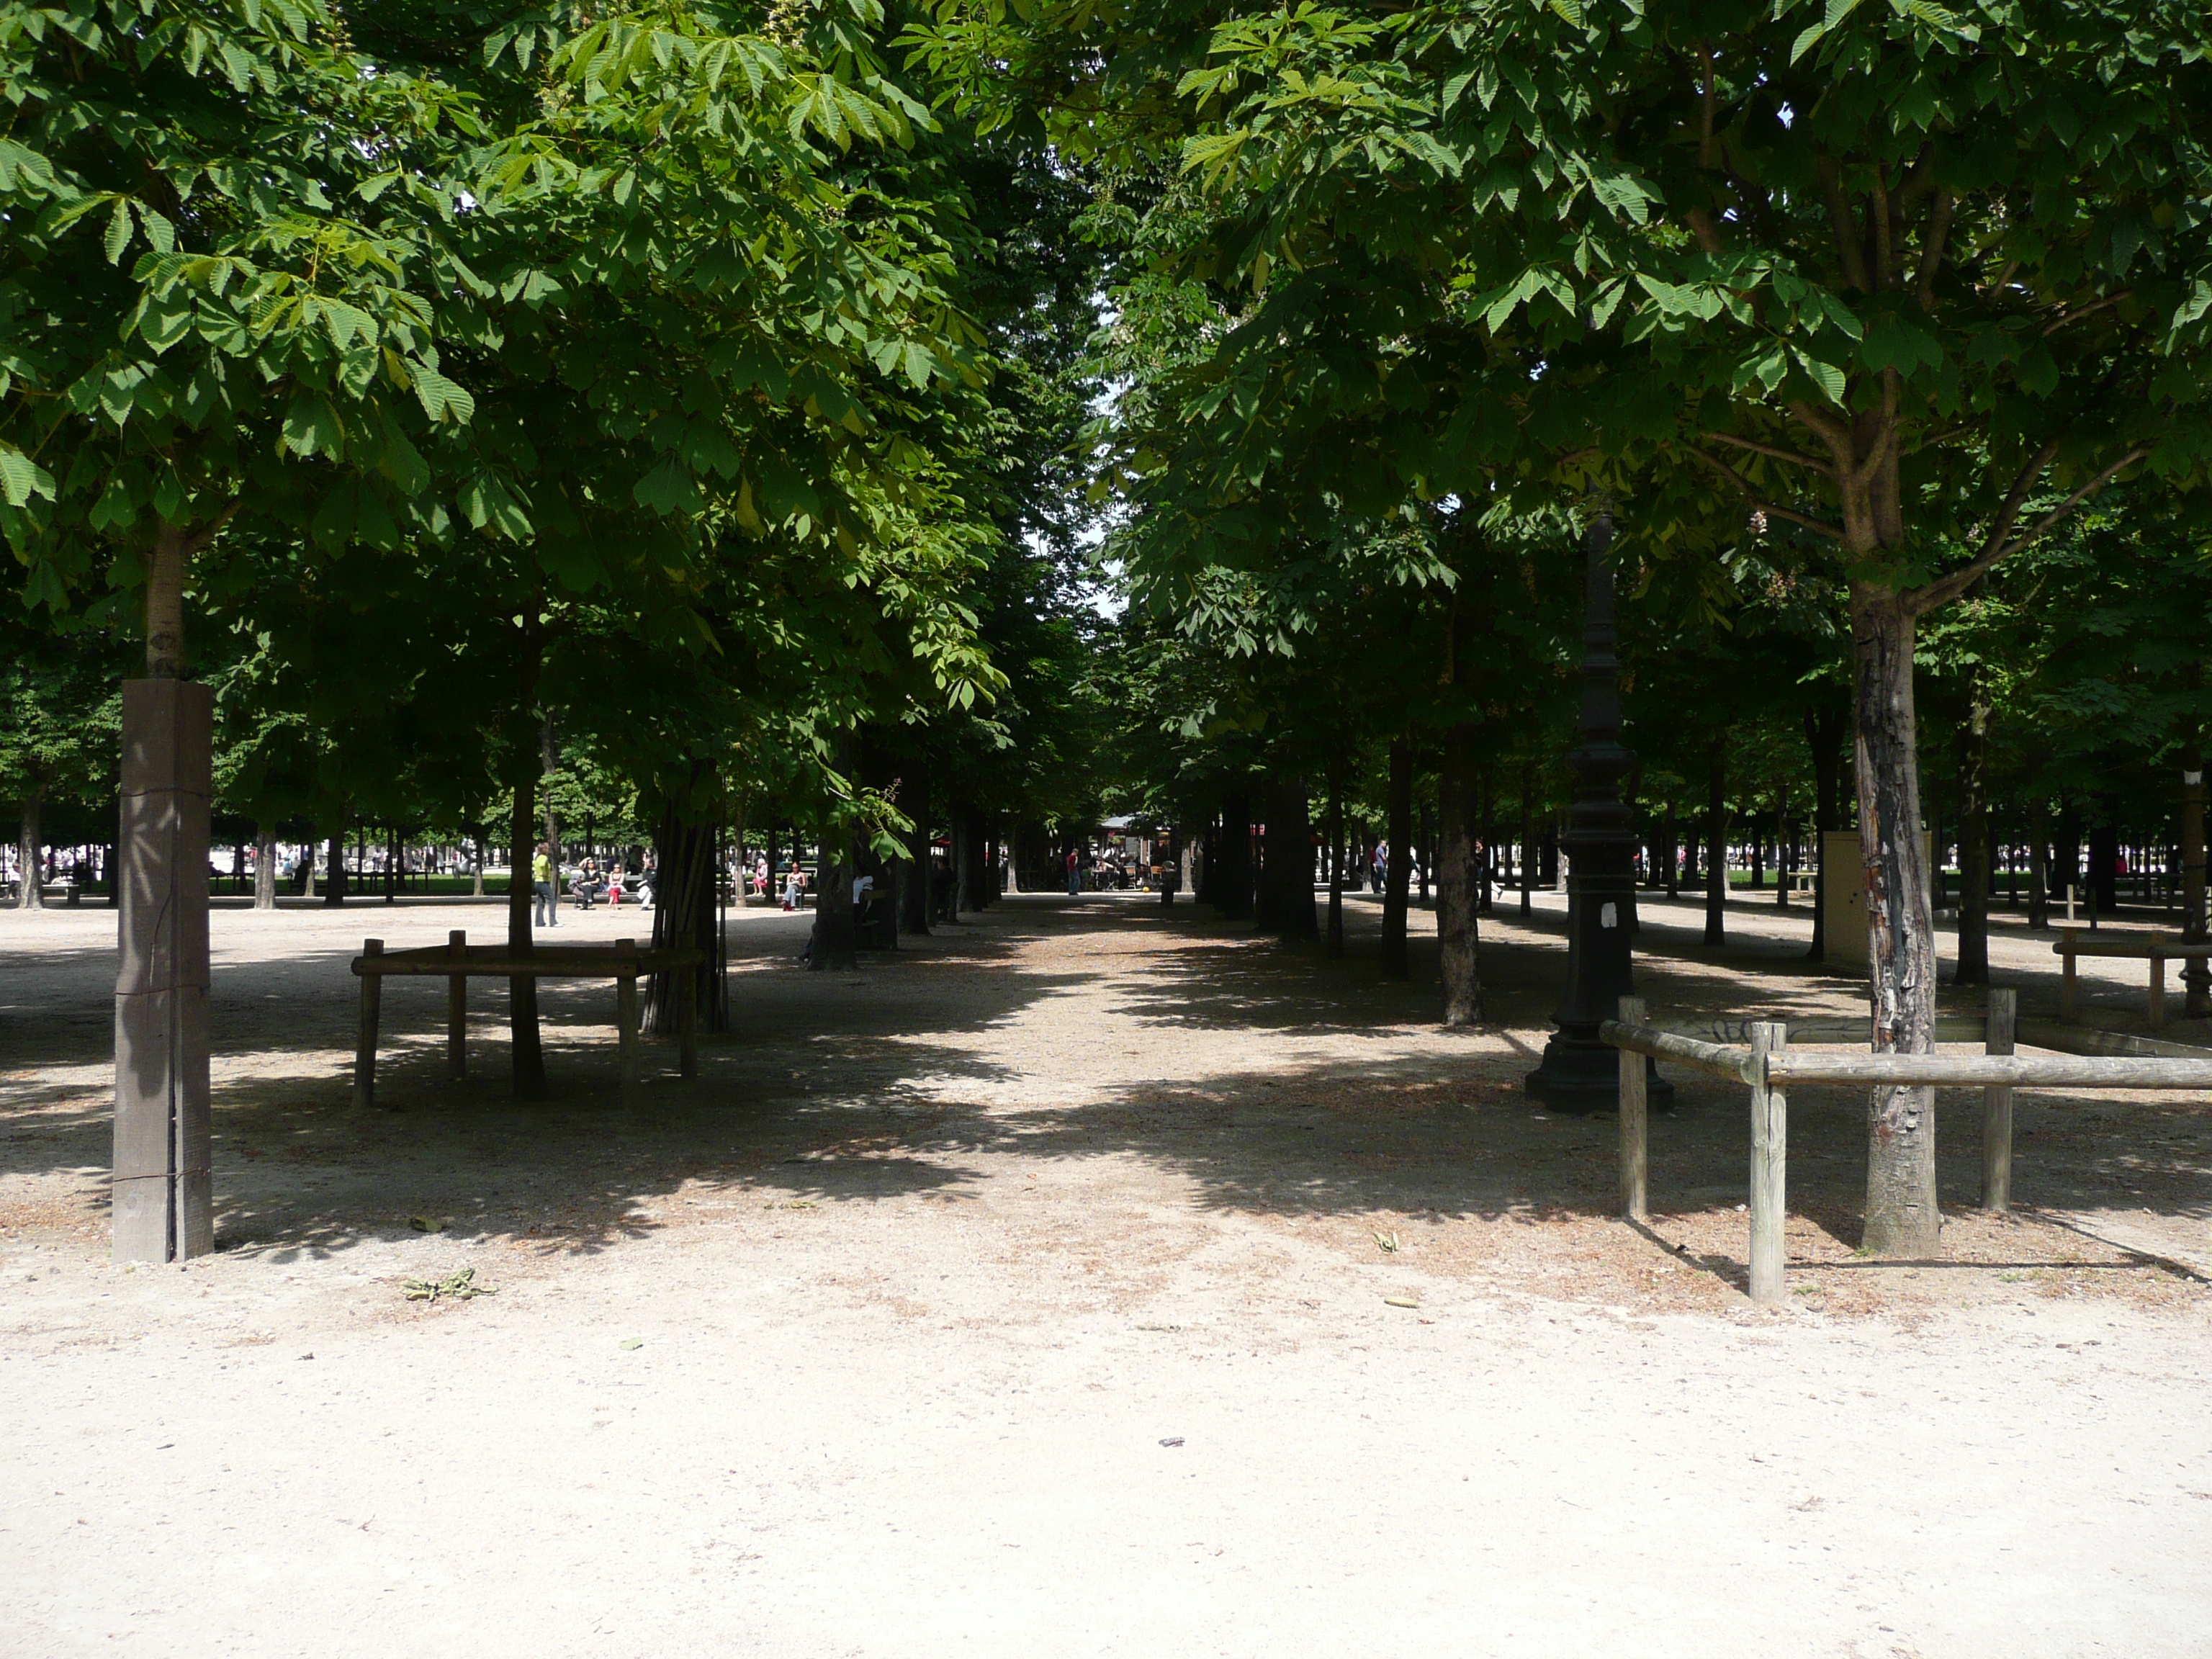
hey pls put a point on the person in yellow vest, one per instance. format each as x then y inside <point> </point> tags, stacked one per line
<point>544,888</point>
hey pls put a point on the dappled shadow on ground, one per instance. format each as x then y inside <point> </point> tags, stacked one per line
<point>1292,1090</point>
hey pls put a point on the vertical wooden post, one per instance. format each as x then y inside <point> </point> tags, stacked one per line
<point>686,1021</point>
<point>1769,1140</point>
<point>1634,1144</point>
<point>626,1019</point>
<point>2069,996</point>
<point>1996,1105</point>
<point>2157,992</point>
<point>364,1053</point>
<point>457,1008</point>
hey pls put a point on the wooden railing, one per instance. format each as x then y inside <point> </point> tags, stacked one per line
<point>1765,1064</point>
<point>2157,950</point>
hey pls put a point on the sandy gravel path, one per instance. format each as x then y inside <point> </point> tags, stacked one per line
<point>871,1340</point>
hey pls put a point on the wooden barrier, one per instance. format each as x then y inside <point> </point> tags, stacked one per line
<point>2158,951</point>
<point>1766,1064</point>
<point>458,962</point>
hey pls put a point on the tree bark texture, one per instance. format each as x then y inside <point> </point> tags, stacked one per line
<point>836,945</point>
<point>683,919</point>
<point>1395,962</point>
<point>1459,878</point>
<point>28,859</point>
<point>1973,967</point>
<point>1902,1218</point>
<point>528,1055</point>
<point>334,875</point>
<point>264,867</point>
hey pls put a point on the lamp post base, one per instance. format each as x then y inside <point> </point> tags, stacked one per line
<point>1581,1074</point>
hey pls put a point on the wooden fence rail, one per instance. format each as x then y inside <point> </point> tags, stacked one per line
<point>2157,950</point>
<point>1767,1065</point>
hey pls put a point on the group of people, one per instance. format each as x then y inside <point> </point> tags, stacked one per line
<point>590,887</point>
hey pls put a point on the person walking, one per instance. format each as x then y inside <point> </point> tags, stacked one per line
<point>546,909</point>
<point>1074,874</point>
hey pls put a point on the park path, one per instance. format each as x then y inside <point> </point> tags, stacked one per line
<point>1024,1293</point>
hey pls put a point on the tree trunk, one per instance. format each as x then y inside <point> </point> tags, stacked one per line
<point>836,939</point>
<point>1823,735</point>
<point>1459,879</point>
<point>1902,1218</point>
<point>1336,853</point>
<point>1974,967</point>
<point>1716,834</point>
<point>1203,893</point>
<point>1289,832</point>
<point>264,867</point>
<point>334,877</point>
<point>914,869</point>
<point>395,847</point>
<point>2198,975</point>
<point>2066,865</point>
<point>2039,862</point>
<point>1673,837</point>
<point>1428,841</point>
<point>1395,962</point>
<point>2105,866</point>
<point>684,919</point>
<point>528,1055</point>
<point>476,876</point>
<point>1232,879</point>
<point>29,851</point>
<point>1528,838</point>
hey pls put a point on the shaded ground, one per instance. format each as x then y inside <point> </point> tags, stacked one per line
<point>932,1257</point>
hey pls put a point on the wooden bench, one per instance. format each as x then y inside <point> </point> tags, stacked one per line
<point>2158,951</point>
<point>459,962</point>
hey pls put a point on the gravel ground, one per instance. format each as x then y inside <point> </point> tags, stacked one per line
<point>1038,1289</point>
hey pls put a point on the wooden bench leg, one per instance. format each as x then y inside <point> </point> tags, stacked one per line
<point>1635,1146</point>
<point>457,1010</point>
<point>1770,1157</point>
<point>364,1051</point>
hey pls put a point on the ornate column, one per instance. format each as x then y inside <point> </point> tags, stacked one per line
<point>1578,1072</point>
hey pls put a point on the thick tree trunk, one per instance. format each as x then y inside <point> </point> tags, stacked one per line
<point>2066,865</point>
<point>1459,879</point>
<point>1716,835</point>
<point>29,850</point>
<point>684,918</point>
<point>1203,893</point>
<point>264,867</point>
<point>1672,837</point>
<point>1528,839</point>
<point>1290,834</point>
<point>1395,963</point>
<point>836,942</point>
<point>395,848</point>
<point>528,1057</point>
<point>334,877</point>
<point>1902,1218</point>
<point>1428,841</point>
<point>1232,879</point>
<point>1974,967</point>
<point>2105,866</point>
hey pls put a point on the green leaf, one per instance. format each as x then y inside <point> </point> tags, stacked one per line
<point>20,477</point>
<point>118,231</point>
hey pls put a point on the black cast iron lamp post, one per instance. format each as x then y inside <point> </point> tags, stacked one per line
<point>1579,1072</point>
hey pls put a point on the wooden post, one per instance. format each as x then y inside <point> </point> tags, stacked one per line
<point>2157,992</point>
<point>1634,1144</point>
<point>2069,996</point>
<point>1996,1105</point>
<point>1770,1139</point>
<point>626,1020</point>
<point>364,1053</point>
<point>686,982</point>
<point>457,1008</point>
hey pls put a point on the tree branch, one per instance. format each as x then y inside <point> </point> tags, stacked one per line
<point>1846,226</point>
<point>1834,434</point>
<point>1773,450</point>
<point>2023,481</point>
<point>1931,248</point>
<point>1944,589</point>
<point>2074,316</point>
<point>1759,503</point>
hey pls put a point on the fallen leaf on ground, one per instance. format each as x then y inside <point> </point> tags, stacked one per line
<point>1388,1241</point>
<point>1401,1302</point>
<point>427,1223</point>
<point>456,1287</point>
<point>629,1342</point>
